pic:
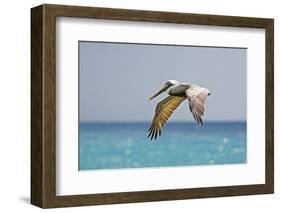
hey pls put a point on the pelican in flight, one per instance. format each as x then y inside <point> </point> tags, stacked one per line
<point>178,92</point>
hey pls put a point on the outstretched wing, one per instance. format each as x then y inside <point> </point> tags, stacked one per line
<point>197,96</point>
<point>163,111</point>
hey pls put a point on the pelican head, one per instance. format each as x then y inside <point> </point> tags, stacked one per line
<point>164,88</point>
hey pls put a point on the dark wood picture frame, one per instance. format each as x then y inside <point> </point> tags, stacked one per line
<point>43,105</point>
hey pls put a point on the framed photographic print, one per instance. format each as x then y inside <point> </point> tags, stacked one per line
<point>136,106</point>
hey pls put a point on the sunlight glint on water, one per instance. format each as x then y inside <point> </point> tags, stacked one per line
<point>125,145</point>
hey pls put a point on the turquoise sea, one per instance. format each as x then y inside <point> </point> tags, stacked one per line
<point>125,145</point>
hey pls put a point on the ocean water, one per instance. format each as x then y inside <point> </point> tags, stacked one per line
<point>125,145</point>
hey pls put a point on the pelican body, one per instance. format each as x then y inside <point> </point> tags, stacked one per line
<point>178,92</point>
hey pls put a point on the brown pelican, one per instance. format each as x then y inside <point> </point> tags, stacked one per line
<point>178,92</point>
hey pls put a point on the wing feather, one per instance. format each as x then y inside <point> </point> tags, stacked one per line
<point>163,111</point>
<point>197,96</point>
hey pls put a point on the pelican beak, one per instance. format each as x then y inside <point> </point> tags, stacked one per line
<point>162,89</point>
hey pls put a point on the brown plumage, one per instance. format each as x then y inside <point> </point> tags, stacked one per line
<point>163,111</point>
<point>178,92</point>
